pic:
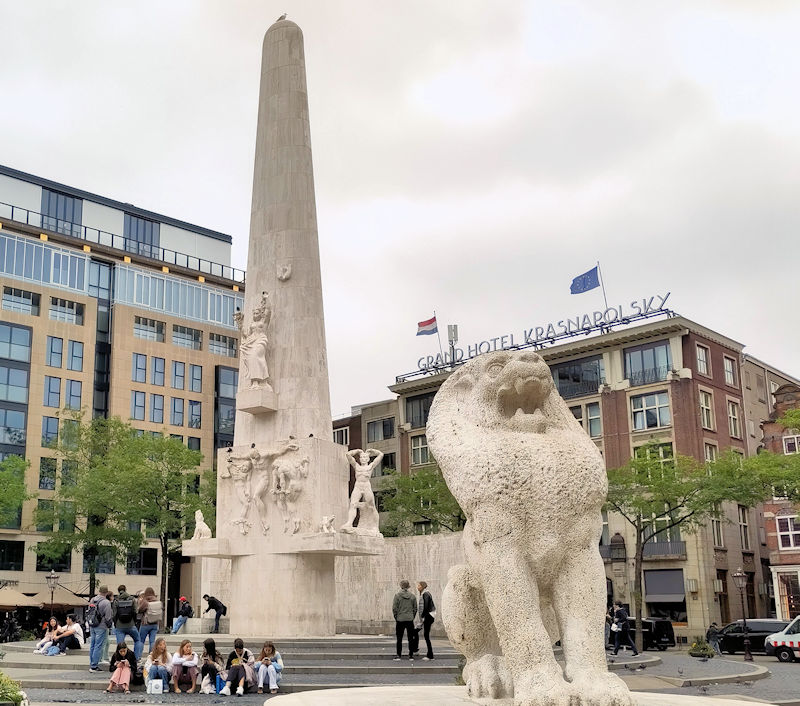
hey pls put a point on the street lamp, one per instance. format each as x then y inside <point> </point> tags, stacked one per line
<point>52,582</point>
<point>740,579</point>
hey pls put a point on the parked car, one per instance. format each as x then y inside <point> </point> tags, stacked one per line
<point>731,637</point>
<point>657,633</point>
<point>785,645</point>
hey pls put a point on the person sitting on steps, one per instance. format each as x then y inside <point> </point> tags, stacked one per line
<point>269,666</point>
<point>241,670</point>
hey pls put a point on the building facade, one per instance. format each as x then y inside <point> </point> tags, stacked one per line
<point>781,516</point>
<point>116,311</point>
<point>673,382</point>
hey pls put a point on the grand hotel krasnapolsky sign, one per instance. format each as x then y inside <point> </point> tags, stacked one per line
<point>582,323</point>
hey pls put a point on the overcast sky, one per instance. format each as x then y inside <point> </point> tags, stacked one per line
<point>470,157</point>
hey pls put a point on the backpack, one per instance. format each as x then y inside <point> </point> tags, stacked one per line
<point>189,611</point>
<point>125,610</point>
<point>93,617</point>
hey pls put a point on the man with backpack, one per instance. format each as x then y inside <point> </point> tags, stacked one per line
<point>185,611</point>
<point>125,619</point>
<point>218,607</point>
<point>99,618</point>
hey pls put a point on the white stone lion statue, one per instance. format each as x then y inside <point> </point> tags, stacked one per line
<point>531,484</point>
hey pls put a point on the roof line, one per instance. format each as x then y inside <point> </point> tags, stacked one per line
<point>111,203</point>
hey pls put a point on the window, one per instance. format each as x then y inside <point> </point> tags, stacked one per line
<point>196,378</point>
<point>761,390</point>
<point>387,462</point>
<point>342,436</point>
<point>12,554</point>
<point>61,213</point>
<point>49,431</point>
<point>417,409</point>
<point>195,414</point>
<point>105,562</point>
<point>69,472</point>
<point>186,337</point>
<point>703,360</point>
<point>227,382</point>
<point>43,505</point>
<point>99,279</point>
<point>148,329</point>
<point>139,367</point>
<point>791,444</point>
<point>661,451</point>
<point>648,363</point>
<point>665,594</point>
<point>12,426</point>
<point>137,405</point>
<point>157,371</point>
<point>67,311</point>
<point>52,391</point>
<point>222,345</point>
<point>75,356</point>
<point>716,527</point>
<point>650,411</point>
<point>380,430</point>
<point>47,474</point>
<point>788,532</point>
<point>13,384</point>
<point>144,563</point>
<point>157,409</point>
<point>226,416</point>
<point>176,436</point>
<point>178,374</point>
<point>744,533</point>
<point>577,378</point>
<point>61,564</point>
<point>55,347</point>
<point>710,452</point>
<point>21,301</point>
<point>730,371</point>
<point>193,442</point>
<point>419,450</point>
<point>176,414</point>
<point>141,235</point>
<point>660,527</point>
<point>593,420</point>
<point>73,394</point>
<point>706,410</point>
<point>70,433</point>
<point>15,343</point>
<point>733,419</point>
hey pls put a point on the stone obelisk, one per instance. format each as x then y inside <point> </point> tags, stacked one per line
<point>284,480</point>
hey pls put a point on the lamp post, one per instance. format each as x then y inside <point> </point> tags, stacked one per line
<point>740,579</point>
<point>52,582</point>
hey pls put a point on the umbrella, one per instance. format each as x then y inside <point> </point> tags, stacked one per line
<point>62,597</point>
<point>11,599</point>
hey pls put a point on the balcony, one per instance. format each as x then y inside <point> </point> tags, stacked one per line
<point>648,376</point>
<point>119,242</point>
<point>665,550</point>
<point>568,390</point>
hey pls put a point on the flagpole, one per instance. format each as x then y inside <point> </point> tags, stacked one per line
<point>439,336</point>
<point>602,285</point>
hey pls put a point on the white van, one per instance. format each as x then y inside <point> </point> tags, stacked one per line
<point>785,645</point>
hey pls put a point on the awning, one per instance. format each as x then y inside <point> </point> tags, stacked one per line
<point>62,597</point>
<point>11,599</point>
<point>664,586</point>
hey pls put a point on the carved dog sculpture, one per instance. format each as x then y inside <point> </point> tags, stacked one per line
<point>531,484</point>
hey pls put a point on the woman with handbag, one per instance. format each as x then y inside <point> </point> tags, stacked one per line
<point>241,670</point>
<point>158,665</point>
<point>269,667</point>
<point>123,666</point>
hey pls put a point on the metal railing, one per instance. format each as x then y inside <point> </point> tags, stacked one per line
<point>649,375</point>
<point>119,242</point>
<point>665,549</point>
<point>568,390</point>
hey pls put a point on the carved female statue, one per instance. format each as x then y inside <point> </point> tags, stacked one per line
<point>254,345</point>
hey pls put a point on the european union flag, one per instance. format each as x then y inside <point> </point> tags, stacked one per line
<point>585,282</point>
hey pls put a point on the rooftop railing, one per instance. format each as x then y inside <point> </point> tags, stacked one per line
<point>119,242</point>
<point>568,390</point>
<point>664,550</point>
<point>648,375</point>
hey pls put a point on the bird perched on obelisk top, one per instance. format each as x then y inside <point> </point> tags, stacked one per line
<point>282,17</point>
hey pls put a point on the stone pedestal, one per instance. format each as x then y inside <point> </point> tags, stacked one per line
<point>256,401</point>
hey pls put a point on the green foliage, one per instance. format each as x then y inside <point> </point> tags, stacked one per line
<point>418,497</point>
<point>791,420</point>
<point>701,648</point>
<point>779,473</point>
<point>12,481</point>
<point>10,690</point>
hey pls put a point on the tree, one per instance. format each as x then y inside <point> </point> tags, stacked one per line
<point>655,493</point>
<point>422,496</point>
<point>12,481</point>
<point>90,508</point>
<point>169,493</point>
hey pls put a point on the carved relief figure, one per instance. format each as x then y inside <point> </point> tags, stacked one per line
<point>254,345</point>
<point>288,479</point>
<point>326,526</point>
<point>201,529</point>
<point>241,469</point>
<point>518,463</point>
<point>362,499</point>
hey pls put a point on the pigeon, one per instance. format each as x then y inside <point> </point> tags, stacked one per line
<point>282,17</point>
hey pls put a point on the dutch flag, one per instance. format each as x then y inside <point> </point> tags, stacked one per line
<point>426,328</point>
